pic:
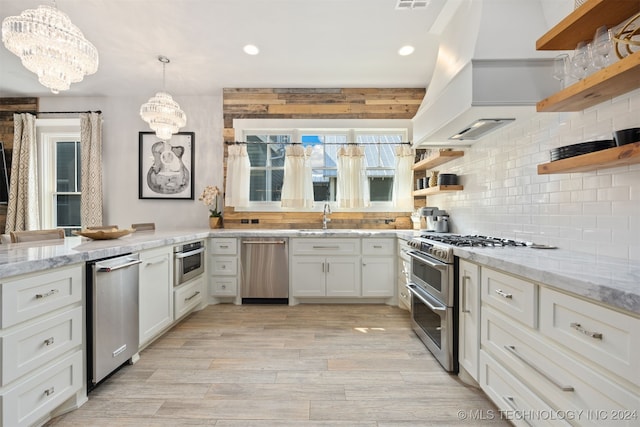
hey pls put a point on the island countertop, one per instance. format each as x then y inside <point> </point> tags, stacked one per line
<point>612,281</point>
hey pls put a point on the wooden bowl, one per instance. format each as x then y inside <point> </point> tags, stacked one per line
<point>114,233</point>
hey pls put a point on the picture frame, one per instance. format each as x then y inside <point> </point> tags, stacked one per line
<point>166,168</point>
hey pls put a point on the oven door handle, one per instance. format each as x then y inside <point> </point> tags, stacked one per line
<point>180,255</point>
<point>429,262</point>
<point>434,305</point>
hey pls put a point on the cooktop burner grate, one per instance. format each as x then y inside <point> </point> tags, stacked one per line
<point>473,240</point>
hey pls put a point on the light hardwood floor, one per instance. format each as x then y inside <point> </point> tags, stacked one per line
<point>271,365</point>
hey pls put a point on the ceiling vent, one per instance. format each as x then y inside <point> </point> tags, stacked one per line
<point>412,4</point>
<point>479,128</point>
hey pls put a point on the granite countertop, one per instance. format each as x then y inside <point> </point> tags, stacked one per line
<point>611,281</point>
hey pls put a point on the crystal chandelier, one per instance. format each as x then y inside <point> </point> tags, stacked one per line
<point>51,46</point>
<point>163,113</point>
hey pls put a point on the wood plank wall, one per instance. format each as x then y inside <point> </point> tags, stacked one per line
<point>393,103</point>
<point>8,106</point>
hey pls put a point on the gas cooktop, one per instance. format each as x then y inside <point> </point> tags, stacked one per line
<point>440,246</point>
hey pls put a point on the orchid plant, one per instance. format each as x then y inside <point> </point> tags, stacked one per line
<point>209,197</point>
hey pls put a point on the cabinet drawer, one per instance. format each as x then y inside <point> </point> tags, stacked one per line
<point>325,246</point>
<point>187,297</point>
<point>513,296</point>
<point>224,266</point>
<point>28,348</point>
<point>403,250</point>
<point>32,399</point>
<point>606,337</point>
<point>224,246</point>
<point>555,375</point>
<point>378,246</point>
<point>30,296</point>
<point>223,286</point>
<point>512,397</point>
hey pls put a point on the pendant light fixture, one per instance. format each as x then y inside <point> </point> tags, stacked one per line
<point>161,112</point>
<point>51,46</point>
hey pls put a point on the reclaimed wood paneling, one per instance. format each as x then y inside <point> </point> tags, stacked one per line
<point>315,103</point>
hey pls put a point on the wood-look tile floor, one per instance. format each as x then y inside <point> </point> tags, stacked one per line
<point>272,365</point>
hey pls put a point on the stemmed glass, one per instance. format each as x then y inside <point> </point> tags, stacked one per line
<point>561,68</point>
<point>581,61</point>
<point>602,47</point>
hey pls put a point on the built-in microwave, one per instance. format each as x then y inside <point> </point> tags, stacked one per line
<point>189,260</point>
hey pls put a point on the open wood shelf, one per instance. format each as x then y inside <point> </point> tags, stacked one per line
<point>437,159</point>
<point>617,79</point>
<point>580,25</point>
<point>437,189</point>
<point>618,156</point>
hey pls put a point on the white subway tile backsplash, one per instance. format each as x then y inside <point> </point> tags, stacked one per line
<point>594,212</point>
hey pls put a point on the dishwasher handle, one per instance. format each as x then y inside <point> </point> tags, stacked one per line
<point>109,269</point>
<point>264,242</point>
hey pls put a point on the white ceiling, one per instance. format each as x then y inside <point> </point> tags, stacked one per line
<point>303,43</point>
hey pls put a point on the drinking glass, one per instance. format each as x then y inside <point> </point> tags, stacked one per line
<point>561,68</point>
<point>581,61</point>
<point>602,48</point>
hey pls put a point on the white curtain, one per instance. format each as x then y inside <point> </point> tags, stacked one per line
<point>23,212</point>
<point>238,176</point>
<point>91,169</point>
<point>297,186</point>
<point>353,185</point>
<point>403,180</point>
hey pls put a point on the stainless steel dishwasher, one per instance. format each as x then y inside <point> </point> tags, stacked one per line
<point>112,315</point>
<point>265,271</point>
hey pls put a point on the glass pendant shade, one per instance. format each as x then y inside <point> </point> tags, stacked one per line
<point>49,45</point>
<point>163,113</point>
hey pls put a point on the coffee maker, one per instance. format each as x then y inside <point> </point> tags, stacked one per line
<point>434,219</point>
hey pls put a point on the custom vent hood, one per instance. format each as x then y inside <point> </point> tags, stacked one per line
<point>487,73</point>
<point>484,96</point>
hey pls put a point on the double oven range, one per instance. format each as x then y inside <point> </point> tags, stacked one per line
<point>434,290</point>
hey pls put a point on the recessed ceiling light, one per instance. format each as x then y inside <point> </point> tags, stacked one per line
<point>251,49</point>
<point>406,50</point>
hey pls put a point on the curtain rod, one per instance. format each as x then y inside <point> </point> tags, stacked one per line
<point>50,112</point>
<point>324,143</point>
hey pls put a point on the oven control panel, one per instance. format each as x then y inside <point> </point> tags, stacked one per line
<point>440,252</point>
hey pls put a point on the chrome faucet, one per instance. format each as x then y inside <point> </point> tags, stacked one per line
<point>326,211</point>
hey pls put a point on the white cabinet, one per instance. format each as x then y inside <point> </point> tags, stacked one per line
<point>325,267</point>
<point>545,350</point>
<point>41,345</point>
<point>223,270</point>
<point>155,293</point>
<point>378,267</point>
<point>325,276</point>
<point>404,274</point>
<point>188,296</point>
<point>469,317</point>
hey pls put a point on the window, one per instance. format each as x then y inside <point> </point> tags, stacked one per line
<point>267,160</point>
<point>61,175</point>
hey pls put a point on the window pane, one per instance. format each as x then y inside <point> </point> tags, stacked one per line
<point>277,176</point>
<point>277,155</point>
<point>66,166</point>
<point>380,189</point>
<point>257,186</point>
<point>67,210</point>
<point>257,154</point>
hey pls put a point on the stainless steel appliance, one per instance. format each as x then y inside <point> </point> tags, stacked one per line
<point>112,315</point>
<point>434,274</point>
<point>433,302</point>
<point>188,261</point>
<point>265,271</point>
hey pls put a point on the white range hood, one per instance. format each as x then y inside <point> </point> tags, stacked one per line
<point>484,96</point>
<point>488,73</point>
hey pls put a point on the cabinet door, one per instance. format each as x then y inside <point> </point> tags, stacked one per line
<point>377,277</point>
<point>469,317</point>
<point>155,293</point>
<point>188,296</point>
<point>308,276</point>
<point>343,276</point>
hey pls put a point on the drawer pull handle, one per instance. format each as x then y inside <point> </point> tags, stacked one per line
<point>224,246</point>
<point>512,349</point>
<point>47,294</point>
<point>149,264</point>
<point>377,246</point>
<point>192,296</point>
<point>503,294</point>
<point>579,328</point>
<point>511,402</point>
<point>49,391</point>
<point>325,247</point>
<point>48,341</point>
<point>463,306</point>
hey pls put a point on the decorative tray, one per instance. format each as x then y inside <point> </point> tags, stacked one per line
<point>114,233</point>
